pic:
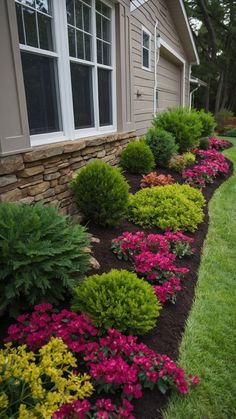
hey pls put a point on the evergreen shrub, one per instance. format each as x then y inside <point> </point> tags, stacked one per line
<point>42,255</point>
<point>101,193</point>
<point>184,125</point>
<point>118,300</point>
<point>204,143</point>
<point>162,144</point>
<point>137,157</point>
<point>177,207</point>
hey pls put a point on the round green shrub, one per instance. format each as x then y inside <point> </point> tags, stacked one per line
<point>101,193</point>
<point>230,132</point>
<point>178,207</point>
<point>208,123</point>
<point>162,144</point>
<point>184,125</point>
<point>137,157</point>
<point>119,300</point>
<point>204,143</point>
<point>42,256</point>
<point>189,158</point>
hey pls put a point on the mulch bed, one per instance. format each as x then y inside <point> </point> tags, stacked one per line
<point>166,336</point>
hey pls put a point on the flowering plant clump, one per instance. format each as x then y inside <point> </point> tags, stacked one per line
<point>153,256</point>
<point>102,409</point>
<point>218,144</point>
<point>35,385</point>
<point>36,329</point>
<point>153,179</point>
<point>115,363</point>
<point>129,244</point>
<point>212,163</point>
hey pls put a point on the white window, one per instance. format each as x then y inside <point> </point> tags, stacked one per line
<point>146,49</point>
<point>68,61</point>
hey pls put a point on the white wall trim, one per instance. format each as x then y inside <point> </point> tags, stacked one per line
<point>135,4</point>
<point>189,31</point>
<point>173,52</point>
<point>145,30</point>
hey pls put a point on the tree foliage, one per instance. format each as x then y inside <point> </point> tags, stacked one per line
<point>214,27</point>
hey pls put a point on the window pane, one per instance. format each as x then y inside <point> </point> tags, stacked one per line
<point>78,14</point>
<point>45,32</point>
<point>70,12</point>
<point>81,79</point>
<point>106,54</point>
<point>71,38</point>
<point>44,6</point>
<point>40,87</point>
<point>86,12</point>
<point>99,6</point>
<point>99,52</point>
<point>99,25</point>
<point>106,11</point>
<point>87,45</point>
<point>145,58</point>
<point>80,45</point>
<point>28,2</point>
<point>20,24</point>
<point>145,40</point>
<point>30,27</point>
<point>105,97</point>
<point>106,30</point>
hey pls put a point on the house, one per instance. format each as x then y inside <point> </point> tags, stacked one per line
<point>78,80</point>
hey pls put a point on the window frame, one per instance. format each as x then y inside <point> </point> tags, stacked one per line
<point>149,49</point>
<point>65,97</point>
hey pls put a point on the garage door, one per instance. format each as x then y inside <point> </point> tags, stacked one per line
<point>169,84</point>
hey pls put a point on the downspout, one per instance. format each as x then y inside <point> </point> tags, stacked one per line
<point>156,60</point>
<point>191,96</point>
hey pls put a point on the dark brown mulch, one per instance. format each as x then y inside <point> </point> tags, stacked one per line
<point>166,336</point>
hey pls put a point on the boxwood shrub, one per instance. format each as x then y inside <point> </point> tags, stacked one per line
<point>137,157</point>
<point>162,144</point>
<point>42,256</point>
<point>119,300</point>
<point>178,207</point>
<point>183,124</point>
<point>101,193</point>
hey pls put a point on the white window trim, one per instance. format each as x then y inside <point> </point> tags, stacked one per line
<point>173,52</point>
<point>147,32</point>
<point>65,100</point>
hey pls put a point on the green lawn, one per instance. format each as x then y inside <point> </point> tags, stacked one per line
<point>208,348</point>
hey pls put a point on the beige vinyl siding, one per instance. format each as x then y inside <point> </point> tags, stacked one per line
<point>169,77</point>
<point>169,73</point>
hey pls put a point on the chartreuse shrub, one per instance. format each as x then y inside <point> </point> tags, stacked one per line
<point>101,193</point>
<point>118,300</point>
<point>179,162</point>
<point>162,144</point>
<point>208,123</point>
<point>184,125</point>
<point>42,255</point>
<point>178,207</point>
<point>189,158</point>
<point>137,157</point>
<point>35,385</point>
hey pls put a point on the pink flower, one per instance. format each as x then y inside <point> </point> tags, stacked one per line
<point>194,379</point>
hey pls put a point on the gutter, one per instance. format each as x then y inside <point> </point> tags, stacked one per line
<point>157,47</point>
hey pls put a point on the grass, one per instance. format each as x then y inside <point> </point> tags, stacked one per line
<point>208,348</point>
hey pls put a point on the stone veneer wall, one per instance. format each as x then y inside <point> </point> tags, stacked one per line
<point>44,173</point>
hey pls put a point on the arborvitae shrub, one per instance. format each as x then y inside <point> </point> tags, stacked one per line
<point>118,300</point>
<point>178,207</point>
<point>101,193</point>
<point>137,157</point>
<point>184,125</point>
<point>162,144</point>
<point>42,255</point>
<point>208,123</point>
<point>204,143</point>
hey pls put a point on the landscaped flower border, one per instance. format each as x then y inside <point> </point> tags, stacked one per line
<point>152,257</point>
<point>114,362</point>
